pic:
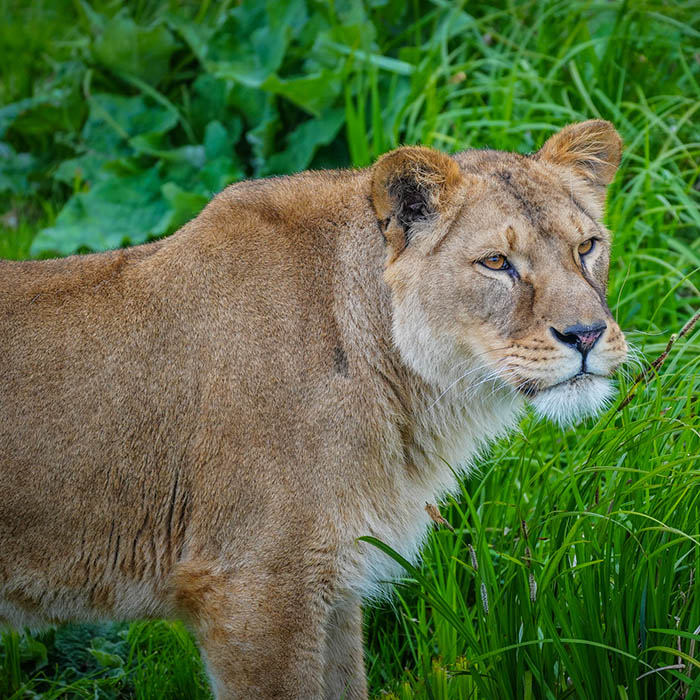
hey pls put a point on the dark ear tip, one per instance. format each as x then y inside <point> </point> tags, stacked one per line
<point>425,167</point>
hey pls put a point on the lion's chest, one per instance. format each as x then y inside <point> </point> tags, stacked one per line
<point>372,570</point>
<point>399,520</point>
<point>396,515</point>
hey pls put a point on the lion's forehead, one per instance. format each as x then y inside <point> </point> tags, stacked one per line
<point>537,203</point>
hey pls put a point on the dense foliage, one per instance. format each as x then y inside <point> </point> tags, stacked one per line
<point>574,567</point>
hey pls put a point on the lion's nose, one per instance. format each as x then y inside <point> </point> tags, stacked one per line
<point>581,337</point>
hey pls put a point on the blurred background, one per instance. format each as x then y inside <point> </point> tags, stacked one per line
<point>573,570</point>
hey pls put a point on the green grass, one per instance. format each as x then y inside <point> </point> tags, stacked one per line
<point>574,568</point>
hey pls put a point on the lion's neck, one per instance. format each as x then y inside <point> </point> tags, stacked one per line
<point>450,427</point>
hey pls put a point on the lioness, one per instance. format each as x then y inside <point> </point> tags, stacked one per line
<point>203,426</point>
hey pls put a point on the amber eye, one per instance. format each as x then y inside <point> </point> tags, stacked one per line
<point>495,262</point>
<point>586,247</point>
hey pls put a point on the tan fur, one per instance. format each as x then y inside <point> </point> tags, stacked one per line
<point>202,427</point>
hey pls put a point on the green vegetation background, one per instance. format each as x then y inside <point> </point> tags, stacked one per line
<point>573,570</point>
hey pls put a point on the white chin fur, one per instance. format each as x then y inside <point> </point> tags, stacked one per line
<point>567,403</point>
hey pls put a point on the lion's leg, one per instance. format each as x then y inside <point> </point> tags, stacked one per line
<point>260,639</point>
<point>344,659</point>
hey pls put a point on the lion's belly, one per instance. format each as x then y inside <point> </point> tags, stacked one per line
<point>100,568</point>
<point>38,601</point>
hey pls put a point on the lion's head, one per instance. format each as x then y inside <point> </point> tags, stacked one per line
<point>498,267</point>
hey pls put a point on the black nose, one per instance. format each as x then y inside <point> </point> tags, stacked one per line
<point>581,337</point>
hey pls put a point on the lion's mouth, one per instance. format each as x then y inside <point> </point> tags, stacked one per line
<point>581,379</point>
<point>565,402</point>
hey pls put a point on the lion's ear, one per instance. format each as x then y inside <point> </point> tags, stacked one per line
<point>413,187</point>
<point>591,149</point>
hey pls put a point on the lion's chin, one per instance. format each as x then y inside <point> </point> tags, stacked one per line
<point>570,401</point>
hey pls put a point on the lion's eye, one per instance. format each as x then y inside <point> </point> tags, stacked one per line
<point>496,262</point>
<point>586,247</point>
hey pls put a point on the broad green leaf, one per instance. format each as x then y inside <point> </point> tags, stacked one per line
<point>10,112</point>
<point>217,141</point>
<point>246,48</point>
<point>303,142</point>
<point>255,66</point>
<point>314,93</point>
<point>107,660</point>
<point>184,167</point>
<point>32,650</point>
<point>113,120</point>
<point>183,207</point>
<point>218,173</point>
<point>107,653</point>
<point>86,168</point>
<point>210,101</point>
<point>251,44</point>
<point>262,137</point>
<point>203,169</point>
<point>15,170</point>
<point>196,35</point>
<point>253,104</point>
<point>288,15</point>
<point>46,112</point>
<point>113,213</point>
<point>144,52</point>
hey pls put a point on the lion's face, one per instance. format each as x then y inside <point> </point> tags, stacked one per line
<point>503,284</point>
